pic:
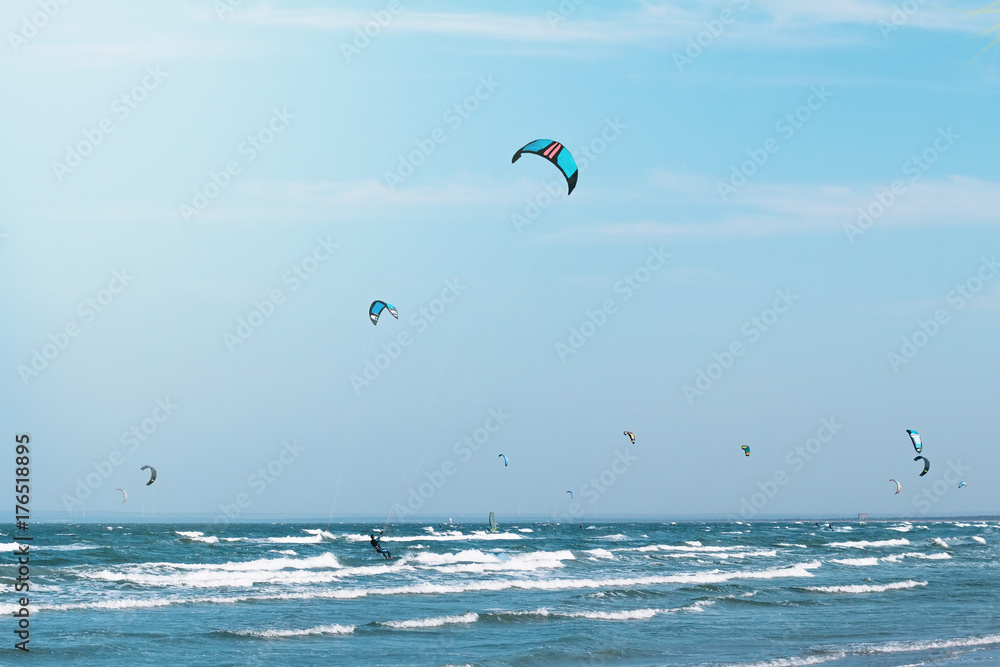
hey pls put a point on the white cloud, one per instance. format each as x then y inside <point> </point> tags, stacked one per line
<point>782,209</point>
<point>761,23</point>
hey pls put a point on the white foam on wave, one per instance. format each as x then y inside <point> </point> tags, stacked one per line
<point>435,622</point>
<point>886,648</point>
<point>284,634</point>
<point>786,544</point>
<point>795,661</point>
<point>66,547</point>
<point>694,578</point>
<point>927,645</point>
<point>288,552</point>
<point>689,551</point>
<point>693,543</point>
<point>689,547</point>
<point>197,536</point>
<point>617,537</point>
<point>475,561</point>
<point>981,540</point>
<point>320,532</point>
<point>315,569</point>
<point>291,539</point>
<point>525,530</point>
<point>600,553</point>
<point>939,542</point>
<point>621,615</point>
<point>867,588</point>
<point>449,536</point>
<point>892,558</point>
<point>863,544</point>
<point>8,546</point>
<point>900,529</point>
<point>861,562</point>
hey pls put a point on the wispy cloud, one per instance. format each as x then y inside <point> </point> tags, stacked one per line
<point>764,23</point>
<point>783,209</point>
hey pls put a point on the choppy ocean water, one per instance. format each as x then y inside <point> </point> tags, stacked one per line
<point>774,594</point>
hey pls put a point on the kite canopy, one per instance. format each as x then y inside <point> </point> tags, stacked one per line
<point>746,449</point>
<point>124,494</point>
<point>915,439</point>
<point>376,309</point>
<point>505,462</point>
<point>571,493</point>
<point>961,484</point>
<point>631,436</point>
<point>899,487</point>
<point>152,474</point>
<point>556,153</point>
<point>927,464</point>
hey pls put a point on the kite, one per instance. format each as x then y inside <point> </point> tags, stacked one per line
<point>152,474</point>
<point>556,153</point>
<point>746,449</point>
<point>961,484</point>
<point>927,464</point>
<point>631,436</point>
<point>505,462</point>
<point>376,309</point>
<point>899,487</point>
<point>915,439</point>
<point>571,493</point>
<point>124,494</point>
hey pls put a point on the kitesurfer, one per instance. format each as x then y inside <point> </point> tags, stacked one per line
<point>378,548</point>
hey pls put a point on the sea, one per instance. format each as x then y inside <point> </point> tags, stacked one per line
<point>767,594</point>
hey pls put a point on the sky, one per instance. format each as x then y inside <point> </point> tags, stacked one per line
<point>784,235</point>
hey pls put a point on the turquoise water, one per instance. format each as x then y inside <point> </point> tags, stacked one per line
<point>787,593</point>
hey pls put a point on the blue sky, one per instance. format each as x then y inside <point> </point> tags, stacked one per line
<point>745,161</point>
